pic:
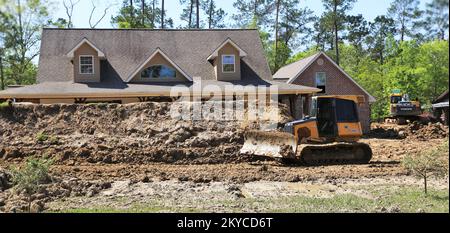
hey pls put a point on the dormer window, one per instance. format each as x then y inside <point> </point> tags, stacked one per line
<point>158,71</point>
<point>86,64</point>
<point>228,64</point>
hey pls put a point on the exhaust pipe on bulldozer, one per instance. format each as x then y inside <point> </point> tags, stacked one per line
<point>271,144</point>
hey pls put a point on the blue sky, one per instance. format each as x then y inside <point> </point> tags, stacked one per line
<point>368,8</point>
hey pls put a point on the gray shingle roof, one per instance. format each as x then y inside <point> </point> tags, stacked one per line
<point>118,90</point>
<point>292,70</point>
<point>125,50</point>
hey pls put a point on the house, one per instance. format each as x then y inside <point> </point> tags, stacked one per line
<point>320,71</point>
<point>440,107</point>
<point>136,65</point>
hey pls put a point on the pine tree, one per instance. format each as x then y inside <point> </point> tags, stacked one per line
<point>215,16</point>
<point>406,15</point>
<point>437,19</point>
<point>336,11</point>
<point>253,11</point>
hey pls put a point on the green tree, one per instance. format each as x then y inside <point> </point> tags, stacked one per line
<point>433,66</point>
<point>437,19</point>
<point>335,13</point>
<point>295,24</point>
<point>147,14</point>
<point>406,14</point>
<point>427,163</point>
<point>188,12</point>
<point>291,23</point>
<point>323,37</point>
<point>403,71</point>
<point>380,29</point>
<point>358,30</point>
<point>249,11</point>
<point>216,17</point>
<point>22,21</point>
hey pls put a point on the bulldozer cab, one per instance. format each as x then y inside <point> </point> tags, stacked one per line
<point>331,111</point>
<point>395,99</point>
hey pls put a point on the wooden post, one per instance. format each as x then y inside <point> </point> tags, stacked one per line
<point>298,107</point>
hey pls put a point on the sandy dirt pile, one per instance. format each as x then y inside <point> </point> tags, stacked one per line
<point>109,133</point>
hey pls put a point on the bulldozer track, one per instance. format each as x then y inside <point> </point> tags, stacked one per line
<point>334,154</point>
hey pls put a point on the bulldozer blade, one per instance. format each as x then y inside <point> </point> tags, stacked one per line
<point>271,144</point>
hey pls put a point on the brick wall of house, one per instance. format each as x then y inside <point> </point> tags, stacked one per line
<point>336,84</point>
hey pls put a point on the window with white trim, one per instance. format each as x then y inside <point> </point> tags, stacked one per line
<point>86,64</point>
<point>321,81</point>
<point>228,63</point>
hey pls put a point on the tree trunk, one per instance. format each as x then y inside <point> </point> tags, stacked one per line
<point>336,35</point>
<point>403,35</point>
<point>132,9</point>
<point>276,35</point>
<point>17,77</point>
<point>162,14</point>
<point>425,184</point>
<point>210,14</point>
<point>198,13</point>
<point>190,14</point>
<point>153,14</point>
<point>2,78</point>
<point>143,12</point>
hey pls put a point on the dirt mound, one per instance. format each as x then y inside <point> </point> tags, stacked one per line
<point>415,131</point>
<point>426,132</point>
<point>111,133</point>
<point>15,201</point>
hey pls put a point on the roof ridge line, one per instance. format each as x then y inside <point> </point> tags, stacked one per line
<point>147,29</point>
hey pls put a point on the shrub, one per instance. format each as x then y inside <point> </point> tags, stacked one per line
<point>42,137</point>
<point>4,105</point>
<point>29,177</point>
<point>427,163</point>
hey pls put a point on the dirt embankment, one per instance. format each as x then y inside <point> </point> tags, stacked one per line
<point>132,134</point>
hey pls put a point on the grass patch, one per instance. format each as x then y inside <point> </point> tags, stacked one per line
<point>41,137</point>
<point>4,105</point>
<point>379,198</point>
<point>404,200</point>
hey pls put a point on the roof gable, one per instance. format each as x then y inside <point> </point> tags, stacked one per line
<point>215,53</point>
<point>301,66</point>
<point>71,53</point>
<point>442,97</point>
<point>157,51</point>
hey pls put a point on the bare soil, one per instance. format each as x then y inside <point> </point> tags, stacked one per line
<point>95,146</point>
